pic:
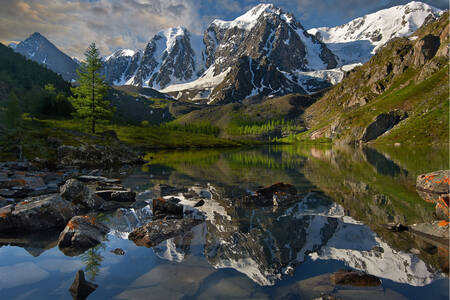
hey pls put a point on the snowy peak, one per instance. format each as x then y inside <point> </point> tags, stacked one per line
<point>120,53</point>
<point>248,20</point>
<point>365,35</point>
<point>38,48</point>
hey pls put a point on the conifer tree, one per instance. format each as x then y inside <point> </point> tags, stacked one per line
<point>89,97</point>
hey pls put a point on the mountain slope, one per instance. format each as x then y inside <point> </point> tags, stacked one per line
<point>403,89</point>
<point>36,47</point>
<point>357,40</point>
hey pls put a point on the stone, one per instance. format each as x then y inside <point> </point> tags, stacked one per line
<point>432,185</point>
<point>36,213</point>
<point>166,208</point>
<point>155,232</point>
<point>436,233</point>
<point>200,203</point>
<point>278,194</point>
<point>80,234</point>
<point>80,288</point>
<point>354,278</point>
<point>118,196</point>
<point>79,194</point>
<point>118,251</point>
<point>395,227</point>
<point>441,209</point>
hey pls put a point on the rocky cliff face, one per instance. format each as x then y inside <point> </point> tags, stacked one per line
<point>38,48</point>
<point>249,77</point>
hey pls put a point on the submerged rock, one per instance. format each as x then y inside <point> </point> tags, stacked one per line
<point>80,234</point>
<point>118,251</point>
<point>355,278</point>
<point>36,213</point>
<point>80,288</point>
<point>278,194</point>
<point>79,194</point>
<point>155,232</point>
<point>167,208</point>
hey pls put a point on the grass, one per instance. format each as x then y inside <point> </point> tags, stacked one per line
<point>157,137</point>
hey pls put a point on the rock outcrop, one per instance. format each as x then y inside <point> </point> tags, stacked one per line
<point>381,124</point>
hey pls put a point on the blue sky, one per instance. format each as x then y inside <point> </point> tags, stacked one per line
<point>72,24</point>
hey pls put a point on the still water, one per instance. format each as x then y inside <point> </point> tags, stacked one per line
<point>256,253</point>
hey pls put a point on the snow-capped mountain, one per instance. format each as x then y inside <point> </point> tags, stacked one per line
<point>172,56</point>
<point>358,40</point>
<point>38,48</point>
<point>265,42</point>
<point>265,31</point>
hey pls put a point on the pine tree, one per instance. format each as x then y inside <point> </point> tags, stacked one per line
<point>88,99</point>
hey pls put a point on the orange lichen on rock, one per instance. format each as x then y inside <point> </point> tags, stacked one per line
<point>443,223</point>
<point>71,225</point>
<point>91,219</point>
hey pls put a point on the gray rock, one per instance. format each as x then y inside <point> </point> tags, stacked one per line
<point>36,213</point>
<point>79,194</point>
<point>156,232</point>
<point>434,232</point>
<point>80,234</point>
<point>435,183</point>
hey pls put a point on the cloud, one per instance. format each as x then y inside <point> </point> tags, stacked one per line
<point>72,25</point>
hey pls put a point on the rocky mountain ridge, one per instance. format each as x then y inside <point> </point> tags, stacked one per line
<point>266,51</point>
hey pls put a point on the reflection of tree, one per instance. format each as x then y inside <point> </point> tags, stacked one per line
<point>92,259</point>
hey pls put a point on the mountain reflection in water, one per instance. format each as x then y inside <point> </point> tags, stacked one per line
<point>347,194</point>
